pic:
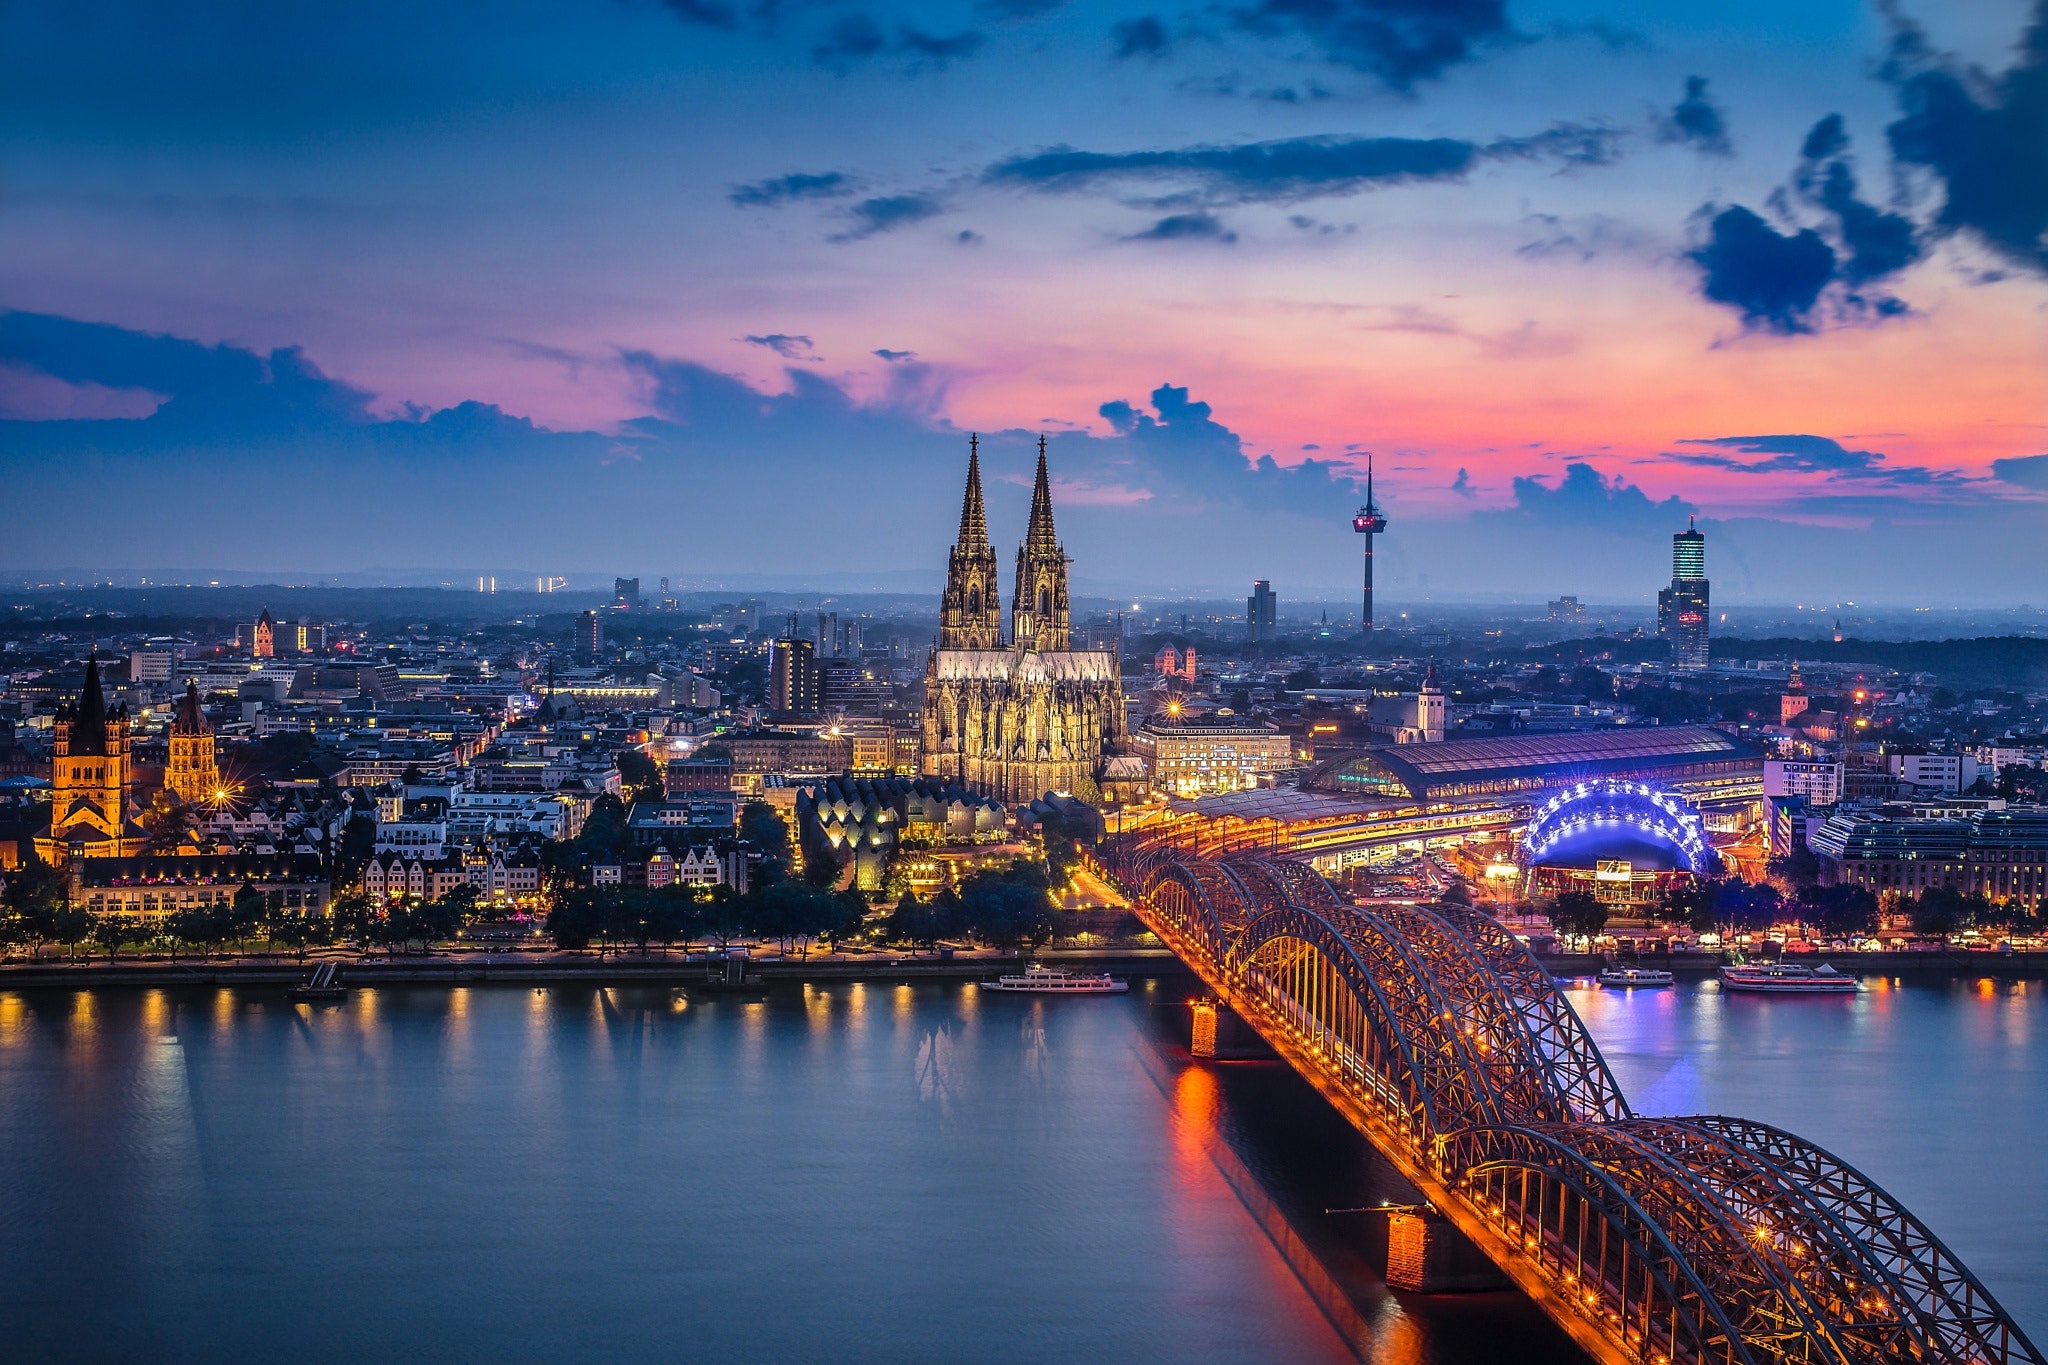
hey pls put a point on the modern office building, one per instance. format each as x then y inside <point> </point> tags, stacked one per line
<point>1819,782</point>
<point>1682,608</point>
<point>1998,854</point>
<point>1260,611</point>
<point>589,636</point>
<point>793,676</point>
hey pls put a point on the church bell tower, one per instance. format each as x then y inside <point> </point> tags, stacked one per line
<point>970,617</point>
<point>1038,612</point>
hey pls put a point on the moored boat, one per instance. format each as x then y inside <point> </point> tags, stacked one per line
<point>1057,981</point>
<point>1784,978</point>
<point>1634,978</point>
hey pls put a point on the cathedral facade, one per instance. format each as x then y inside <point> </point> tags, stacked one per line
<point>1016,718</point>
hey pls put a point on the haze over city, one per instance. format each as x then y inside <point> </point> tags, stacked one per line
<point>720,290</point>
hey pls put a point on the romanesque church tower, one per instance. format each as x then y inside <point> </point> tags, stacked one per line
<point>89,814</point>
<point>194,772</point>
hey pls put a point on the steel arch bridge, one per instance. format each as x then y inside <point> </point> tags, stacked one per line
<point>1442,1039</point>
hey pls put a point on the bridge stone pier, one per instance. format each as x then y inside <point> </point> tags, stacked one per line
<point>1440,1037</point>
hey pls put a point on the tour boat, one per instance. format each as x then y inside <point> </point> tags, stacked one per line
<point>1056,981</point>
<point>1635,977</point>
<point>1788,979</point>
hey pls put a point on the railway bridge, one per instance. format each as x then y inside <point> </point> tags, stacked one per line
<point>1442,1039</point>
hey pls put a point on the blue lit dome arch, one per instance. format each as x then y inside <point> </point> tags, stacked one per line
<point>1602,818</point>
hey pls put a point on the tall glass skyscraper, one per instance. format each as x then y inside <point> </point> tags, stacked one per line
<point>1682,607</point>
<point>1260,611</point>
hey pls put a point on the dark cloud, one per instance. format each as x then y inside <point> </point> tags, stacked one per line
<point>887,213</point>
<point>1184,446</point>
<point>1586,498</point>
<point>1018,9</point>
<point>1874,243</point>
<point>1289,94</point>
<point>1696,121</point>
<point>855,38</point>
<point>1293,168</point>
<point>852,38</point>
<point>798,185</point>
<point>219,476</point>
<point>1462,485</point>
<point>1791,282</point>
<point>1610,36</point>
<point>1984,137</point>
<point>1774,280</point>
<point>1400,42</point>
<point>894,356</point>
<point>1805,454</point>
<point>706,12</point>
<point>1141,37</point>
<point>1297,168</point>
<point>787,346</point>
<point>969,237</point>
<point>939,48</point>
<point>1182,227</point>
<point>2022,471</point>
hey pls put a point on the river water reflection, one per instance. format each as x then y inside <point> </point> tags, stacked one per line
<point>858,1172</point>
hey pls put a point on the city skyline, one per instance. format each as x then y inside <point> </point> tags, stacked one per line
<point>1571,275</point>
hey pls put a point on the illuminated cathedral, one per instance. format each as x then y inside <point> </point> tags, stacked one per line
<point>1034,715</point>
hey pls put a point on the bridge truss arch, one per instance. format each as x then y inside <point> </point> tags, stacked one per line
<point>1442,1038</point>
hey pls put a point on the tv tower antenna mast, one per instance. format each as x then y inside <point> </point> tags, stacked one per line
<point>1368,521</point>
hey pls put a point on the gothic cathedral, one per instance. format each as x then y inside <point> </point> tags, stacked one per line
<point>1034,716</point>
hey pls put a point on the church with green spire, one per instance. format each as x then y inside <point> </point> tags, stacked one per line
<point>1017,719</point>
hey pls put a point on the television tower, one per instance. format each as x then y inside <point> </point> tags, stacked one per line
<point>1368,522</point>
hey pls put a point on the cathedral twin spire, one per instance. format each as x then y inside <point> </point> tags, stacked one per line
<point>970,614</point>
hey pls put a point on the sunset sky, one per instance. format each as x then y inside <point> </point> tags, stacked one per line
<point>716,288</point>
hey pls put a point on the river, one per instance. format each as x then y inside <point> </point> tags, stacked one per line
<point>851,1172</point>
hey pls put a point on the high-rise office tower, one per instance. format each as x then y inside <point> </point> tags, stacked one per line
<point>589,638</point>
<point>1259,612</point>
<point>1368,521</point>
<point>626,592</point>
<point>1682,608</point>
<point>793,676</point>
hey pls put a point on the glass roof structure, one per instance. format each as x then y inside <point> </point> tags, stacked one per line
<point>1511,763</point>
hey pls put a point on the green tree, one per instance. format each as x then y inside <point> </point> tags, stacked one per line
<point>912,922</point>
<point>1578,914</point>
<point>358,845</point>
<point>603,836</point>
<point>1794,869</point>
<point>1008,908</point>
<point>766,831</point>
<point>640,774</point>
<point>353,918</point>
<point>577,919</point>
<point>1943,910</point>
<point>70,926</point>
<point>298,934</point>
<point>1746,908</point>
